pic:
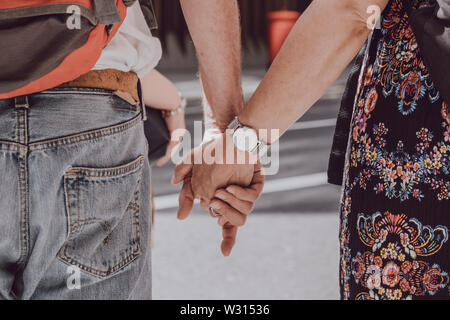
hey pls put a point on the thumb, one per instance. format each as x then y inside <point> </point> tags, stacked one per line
<point>229,233</point>
<point>186,200</point>
<point>183,169</point>
<point>164,159</point>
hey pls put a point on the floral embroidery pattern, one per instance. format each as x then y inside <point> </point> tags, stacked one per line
<point>398,69</point>
<point>402,70</point>
<point>400,173</point>
<point>392,270</point>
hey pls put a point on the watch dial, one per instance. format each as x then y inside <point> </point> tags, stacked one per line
<point>245,139</point>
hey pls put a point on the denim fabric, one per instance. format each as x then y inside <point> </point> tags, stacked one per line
<point>75,197</point>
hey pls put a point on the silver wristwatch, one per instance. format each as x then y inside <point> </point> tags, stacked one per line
<point>246,139</point>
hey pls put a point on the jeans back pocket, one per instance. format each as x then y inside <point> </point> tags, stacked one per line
<point>103,212</point>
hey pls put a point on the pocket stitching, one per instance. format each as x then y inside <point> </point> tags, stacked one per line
<point>74,228</point>
<point>103,274</point>
<point>64,257</point>
<point>85,136</point>
<point>119,171</point>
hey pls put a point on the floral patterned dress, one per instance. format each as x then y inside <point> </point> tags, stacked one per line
<point>395,209</point>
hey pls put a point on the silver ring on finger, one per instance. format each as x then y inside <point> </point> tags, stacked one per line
<point>214,213</point>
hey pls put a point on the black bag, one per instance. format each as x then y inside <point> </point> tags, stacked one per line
<point>157,134</point>
<point>431,26</point>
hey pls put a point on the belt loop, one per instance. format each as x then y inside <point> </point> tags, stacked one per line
<point>141,100</point>
<point>21,102</point>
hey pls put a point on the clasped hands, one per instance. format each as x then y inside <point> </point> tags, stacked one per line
<point>223,178</point>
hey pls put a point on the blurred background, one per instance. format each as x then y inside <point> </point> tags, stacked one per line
<point>289,247</point>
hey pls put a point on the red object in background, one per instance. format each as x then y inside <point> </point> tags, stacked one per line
<point>280,24</point>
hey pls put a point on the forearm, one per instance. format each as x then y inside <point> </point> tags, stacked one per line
<point>214,28</point>
<point>322,43</point>
<point>159,92</point>
<point>212,130</point>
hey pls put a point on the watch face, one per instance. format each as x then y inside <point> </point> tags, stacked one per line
<point>245,139</point>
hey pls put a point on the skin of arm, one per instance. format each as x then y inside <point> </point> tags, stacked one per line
<point>212,131</point>
<point>159,92</point>
<point>322,43</point>
<point>214,28</point>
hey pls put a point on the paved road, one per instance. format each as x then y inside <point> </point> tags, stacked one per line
<point>288,249</point>
<point>278,256</point>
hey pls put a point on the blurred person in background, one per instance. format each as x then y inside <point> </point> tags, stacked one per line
<point>160,93</point>
<point>396,190</point>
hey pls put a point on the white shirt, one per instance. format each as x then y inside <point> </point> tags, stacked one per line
<point>133,48</point>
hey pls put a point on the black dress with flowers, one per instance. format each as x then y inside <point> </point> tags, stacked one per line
<point>395,210</point>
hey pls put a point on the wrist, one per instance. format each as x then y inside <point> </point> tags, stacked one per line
<point>262,134</point>
<point>246,138</point>
<point>239,156</point>
<point>178,110</point>
<point>225,112</point>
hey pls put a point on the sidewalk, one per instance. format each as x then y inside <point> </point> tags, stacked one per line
<point>277,256</point>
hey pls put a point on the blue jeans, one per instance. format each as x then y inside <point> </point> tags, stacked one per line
<point>75,197</point>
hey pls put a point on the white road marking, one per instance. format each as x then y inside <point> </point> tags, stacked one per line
<point>166,202</point>
<point>313,124</point>
<point>295,183</point>
<point>275,185</point>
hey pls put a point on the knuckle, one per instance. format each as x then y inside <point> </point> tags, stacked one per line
<point>222,195</point>
<point>242,221</point>
<point>248,207</point>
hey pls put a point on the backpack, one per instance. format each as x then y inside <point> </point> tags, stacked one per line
<point>45,43</point>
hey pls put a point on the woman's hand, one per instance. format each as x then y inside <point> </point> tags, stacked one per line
<point>225,193</point>
<point>234,204</point>
<point>174,122</point>
<point>214,165</point>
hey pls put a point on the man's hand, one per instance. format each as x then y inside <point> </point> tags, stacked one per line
<point>234,204</point>
<point>203,180</point>
<point>215,165</point>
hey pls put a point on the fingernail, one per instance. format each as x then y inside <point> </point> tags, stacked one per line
<point>230,190</point>
<point>220,195</point>
<point>216,206</point>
